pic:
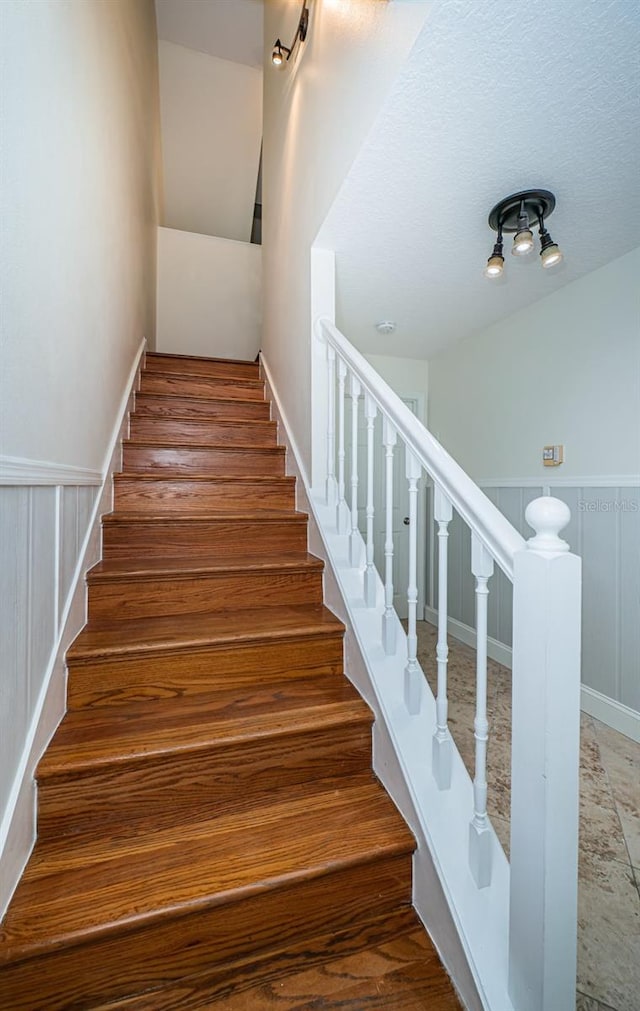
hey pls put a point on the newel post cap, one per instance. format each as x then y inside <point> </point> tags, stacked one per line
<point>547,516</point>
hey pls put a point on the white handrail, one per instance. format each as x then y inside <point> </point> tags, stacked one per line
<point>499,537</point>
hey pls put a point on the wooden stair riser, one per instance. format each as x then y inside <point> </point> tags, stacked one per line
<point>120,678</point>
<point>211,937</point>
<point>159,406</point>
<point>224,495</point>
<point>221,368</point>
<point>222,538</point>
<point>215,778</point>
<point>183,432</point>
<point>198,386</point>
<point>223,460</point>
<point>132,597</point>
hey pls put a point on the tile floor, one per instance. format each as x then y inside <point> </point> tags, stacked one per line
<point>609,860</point>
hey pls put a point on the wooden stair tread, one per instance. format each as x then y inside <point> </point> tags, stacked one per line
<point>114,885</point>
<point>100,637</point>
<point>176,373</point>
<point>88,738</point>
<point>125,568</point>
<point>178,359</point>
<point>268,516</point>
<point>221,447</point>
<point>168,475</point>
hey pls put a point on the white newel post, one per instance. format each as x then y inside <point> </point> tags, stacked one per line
<point>342,512</point>
<point>331,490</point>
<point>354,538</point>
<point>370,574</point>
<point>443,512</point>
<point>480,835</point>
<point>389,437</point>
<point>545,764</point>
<point>412,672</point>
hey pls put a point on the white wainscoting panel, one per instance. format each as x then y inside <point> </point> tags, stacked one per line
<point>605,532</point>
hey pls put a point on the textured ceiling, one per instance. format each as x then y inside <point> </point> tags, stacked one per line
<point>497,96</point>
<point>230,29</point>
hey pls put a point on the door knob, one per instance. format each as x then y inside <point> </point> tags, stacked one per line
<point>406,521</point>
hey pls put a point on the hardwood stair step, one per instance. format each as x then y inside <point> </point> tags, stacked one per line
<point>201,493</point>
<point>180,535</point>
<point>233,461</point>
<point>113,662</point>
<point>241,885</point>
<point>201,386</point>
<point>185,431</point>
<point>207,752</point>
<point>401,974</point>
<point>126,589</point>
<point>162,361</point>
<point>166,406</point>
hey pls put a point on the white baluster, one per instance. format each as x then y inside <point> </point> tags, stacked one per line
<point>342,512</point>
<point>480,837</point>
<point>442,511</point>
<point>412,672</point>
<point>389,619</point>
<point>355,541</point>
<point>331,487</point>
<point>370,574</point>
<point>545,765</point>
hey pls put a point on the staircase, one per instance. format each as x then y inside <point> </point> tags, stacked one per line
<point>210,833</point>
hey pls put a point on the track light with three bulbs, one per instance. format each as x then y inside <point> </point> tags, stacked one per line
<point>516,214</point>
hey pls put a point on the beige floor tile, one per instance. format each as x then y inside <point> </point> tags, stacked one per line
<point>608,933</point>
<point>621,759</point>
<point>584,1003</point>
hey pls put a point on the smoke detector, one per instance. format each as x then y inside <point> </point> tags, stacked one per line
<point>387,326</point>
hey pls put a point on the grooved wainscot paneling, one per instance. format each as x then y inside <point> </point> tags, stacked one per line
<point>605,532</point>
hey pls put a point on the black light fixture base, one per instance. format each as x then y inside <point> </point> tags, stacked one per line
<point>537,204</point>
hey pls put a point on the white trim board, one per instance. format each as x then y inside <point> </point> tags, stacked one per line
<point>610,712</point>
<point>496,650</point>
<point>617,716</point>
<point>17,470</point>
<point>558,481</point>
<point>18,822</point>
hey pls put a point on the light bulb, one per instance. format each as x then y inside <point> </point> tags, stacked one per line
<point>495,266</point>
<point>522,242</point>
<point>550,255</point>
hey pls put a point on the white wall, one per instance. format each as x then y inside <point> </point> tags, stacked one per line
<point>211,134</point>
<point>565,370</point>
<point>209,295</point>
<point>79,192</point>
<point>317,111</point>
<point>405,376</point>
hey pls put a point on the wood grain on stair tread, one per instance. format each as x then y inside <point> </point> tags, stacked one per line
<point>397,938</point>
<point>159,361</point>
<point>193,459</point>
<point>126,535</point>
<point>94,737</point>
<point>201,493</point>
<point>161,405</point>
<point>210,936</point>
<point>206,863</point>
<point>179,430</point>
<point>197,587</point>
<point>199,386</point>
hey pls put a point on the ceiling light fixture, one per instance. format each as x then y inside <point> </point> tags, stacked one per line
<point>515,214</point>
<point>281,54</point>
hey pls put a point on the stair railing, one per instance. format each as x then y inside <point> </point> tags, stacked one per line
<point>518,923</point>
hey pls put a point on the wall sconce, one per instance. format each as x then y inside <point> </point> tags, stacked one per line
<point>281,54</point>
<point>516,214</point>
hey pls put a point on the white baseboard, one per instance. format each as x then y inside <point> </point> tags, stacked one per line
<point>464,633</point>
<point>621,718</point>
<point>18,470</point>
<point>614,714</point>
<point>18,824</point>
